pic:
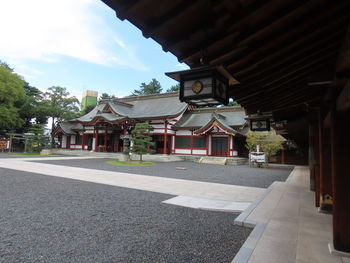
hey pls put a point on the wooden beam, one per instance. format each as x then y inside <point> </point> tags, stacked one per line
<point>300,35</point>
<point>343,63</point>
<point>279,10</point>
<point>178,12</point>
<point>274,82</point>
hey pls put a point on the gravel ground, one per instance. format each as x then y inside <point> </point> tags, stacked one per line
<point>48,219</point>
<point>244,175</point>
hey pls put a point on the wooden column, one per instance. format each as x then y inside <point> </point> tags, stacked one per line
<point>314,158</point>
<point>228,145</point>
<point>325,166</point>
<point>165,137</point>
<point>124,133</point>
<point>340,146</point>
<point>96,140</point>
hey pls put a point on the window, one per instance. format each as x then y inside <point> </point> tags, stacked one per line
<point>199,142</point>
<point>183,142</point>
<point>78,139</point>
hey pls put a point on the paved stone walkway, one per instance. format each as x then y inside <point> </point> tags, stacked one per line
<point>223,192</point>
<point>287,226</point>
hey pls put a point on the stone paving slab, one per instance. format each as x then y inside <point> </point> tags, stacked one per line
<point>148,183</point>
<point>208,204</point>
<point>290,226</point>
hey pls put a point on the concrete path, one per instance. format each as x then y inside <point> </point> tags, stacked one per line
<point>208,204</point>
<point>287,226</point>
<point>171,186</point>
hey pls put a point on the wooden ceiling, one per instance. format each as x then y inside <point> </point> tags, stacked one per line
<point>283,52</point>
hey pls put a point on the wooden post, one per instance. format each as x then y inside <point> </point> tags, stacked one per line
<point>165,137</point>
<point>124,133</point>
<point>96,140</point>
<point>340,145</point>
<point>228,145</point>
<point>191,142</point>
<point>83,142</point>
<point>314,158</point>
<point>325,166</point>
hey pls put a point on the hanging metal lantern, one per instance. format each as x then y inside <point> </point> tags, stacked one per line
<point>202,86</point>
<point>259,123</point>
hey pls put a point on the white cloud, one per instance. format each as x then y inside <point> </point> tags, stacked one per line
<point>182,66</point>
<point>46,30</point>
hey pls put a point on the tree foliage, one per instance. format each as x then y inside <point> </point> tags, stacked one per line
<point>11,94</point>
<point>106,96</point>
<point>141,139</point>
<point>269,142</point>
<point>174,88</point>
<point>36,140</point>
<point>146,89</point>
<point>59,105</point>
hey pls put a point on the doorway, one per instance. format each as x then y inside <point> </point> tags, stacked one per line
<point>219,146</point>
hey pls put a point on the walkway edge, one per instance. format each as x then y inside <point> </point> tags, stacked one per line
<point>249,245</point>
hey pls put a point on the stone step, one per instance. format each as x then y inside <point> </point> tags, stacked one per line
<point>213,160</point>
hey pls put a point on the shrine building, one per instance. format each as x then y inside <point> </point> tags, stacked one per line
<point>177,128</point>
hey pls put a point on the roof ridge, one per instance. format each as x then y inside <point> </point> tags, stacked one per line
<point>149,96</point>
<point>231,108</point>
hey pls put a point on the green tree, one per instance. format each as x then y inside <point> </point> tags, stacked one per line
<point>174,88</point>
<point>30,107</point>
<point>233,103</point>
<point>270,143</point>
<point>146,89</point>
<point>59,105</point>
<point>36,140</point>
<point>11,94</point>
<point>141,139</point>
<point>106,96</point>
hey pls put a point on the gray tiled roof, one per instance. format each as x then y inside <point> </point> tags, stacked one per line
<point>231,116</point>
<point>69,128</point>
<point>152,106</point>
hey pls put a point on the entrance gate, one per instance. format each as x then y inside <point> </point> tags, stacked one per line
<point>219,146</point>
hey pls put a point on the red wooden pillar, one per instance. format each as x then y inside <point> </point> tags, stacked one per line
<point>207,143</point>
<point>314,158</point>
<point>124,133</point>
<point>105,140</point>
<point>340,145</point>
<point>165,137</point>
<point>228,145</point>
<point>96,140</point>
<point>325,166</point>
<point>191,142</point>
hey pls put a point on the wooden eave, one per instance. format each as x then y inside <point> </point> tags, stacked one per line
<point>273,48</point>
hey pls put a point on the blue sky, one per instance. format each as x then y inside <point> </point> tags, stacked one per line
<point>80,45</point>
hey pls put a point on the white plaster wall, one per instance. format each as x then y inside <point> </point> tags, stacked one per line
<point>158,126</point>
<point>235,153</point>
<point>173,142</point>
<point>199,152</point>
<point>75,146</point>
<point>183,151</point>
<point>158,131</point>
<point>93,144</point>
<point>64,141</point>
<point>72,139</point>
<point>170,132</point>
<point>89,131</point>
<point>183,132</point>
